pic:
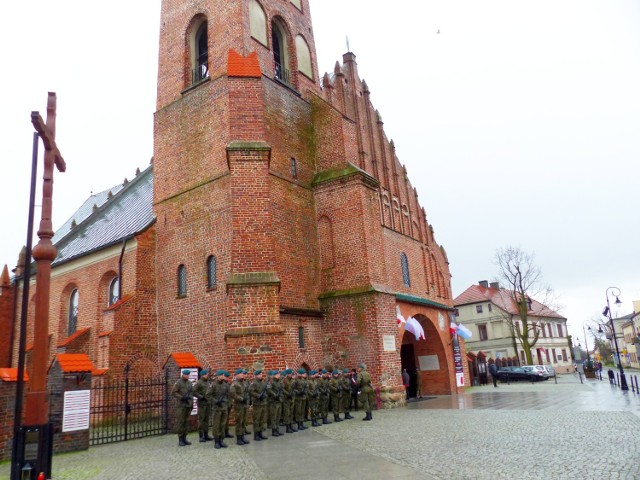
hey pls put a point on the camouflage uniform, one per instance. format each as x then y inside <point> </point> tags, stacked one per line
<point>300,389</point>
<point>324,396</point>
<point>366,391</point>
<point>275,391</point>
<point>239,395</point>
<point>336,395</point>
<point>346,394</point>
<point>218,396</point>
<point>258,393</point>
<point>182,391</point>
<point>288,402</point>
<point>200,390</point>
<point>314,398</point>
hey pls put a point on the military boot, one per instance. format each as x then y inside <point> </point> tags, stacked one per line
<point>181,441</point>
<point>289,429</point>
<point>336,418</point>
<point>279,432</point>
<point>186,442</point>
<point>262,437</point>
<point>256,436</point>
<point>202,439</point>
<point>325,421</point>
<point>244,440</point>
<point>222,444</point>
<point>217,445</point>
<point>314,423</point>
<point>239,440</point>
<point>301,426</point>
<point>348,416</point>
<point>207,437</point>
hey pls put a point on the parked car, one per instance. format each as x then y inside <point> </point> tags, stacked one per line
<point>537,370</point>
<point>513,374</point>
<point>550,370</point>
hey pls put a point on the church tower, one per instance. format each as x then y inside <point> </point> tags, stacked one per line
<point>236,248</point>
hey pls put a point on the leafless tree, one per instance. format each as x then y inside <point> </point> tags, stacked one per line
<point>522,278</point>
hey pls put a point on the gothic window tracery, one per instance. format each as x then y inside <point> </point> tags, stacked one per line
<point>72,317</point>
<point>211,272</point>
<point>404,262</point>
<point>114,291</point>
<point>182,281</point>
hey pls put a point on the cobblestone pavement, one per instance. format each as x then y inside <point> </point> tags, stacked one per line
<point>525,431</point>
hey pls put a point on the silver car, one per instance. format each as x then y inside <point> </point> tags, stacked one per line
<point>538,370</point>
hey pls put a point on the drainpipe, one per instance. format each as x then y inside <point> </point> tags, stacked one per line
<point>124,244</point>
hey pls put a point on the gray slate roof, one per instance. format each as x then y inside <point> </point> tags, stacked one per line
<point>128,212</point>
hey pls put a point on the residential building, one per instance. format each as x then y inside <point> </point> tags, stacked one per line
<point>490,313</point>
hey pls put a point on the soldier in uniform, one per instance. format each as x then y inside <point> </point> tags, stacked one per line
<point>183,393</point>
<point>229,380</point>
<point>346,394</point>
<point>288,401</point>
<point>258,394</point>
<point>276,397</point>
<point>219,398</point>
<point>336,395</point>
<point>200,390</point>
<point>300,389</point>
<point>314,397</point>
<point>366,390</point>
<point>325,394</point>
<point>239,395</point>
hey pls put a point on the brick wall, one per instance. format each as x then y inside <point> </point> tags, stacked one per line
<point>58,383</point>
<point>7,406</point>
<point>6,319</point>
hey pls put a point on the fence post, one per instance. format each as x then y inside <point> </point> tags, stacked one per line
<point>127,368</point>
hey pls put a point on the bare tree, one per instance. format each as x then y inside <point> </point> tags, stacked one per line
<point>522,278</point>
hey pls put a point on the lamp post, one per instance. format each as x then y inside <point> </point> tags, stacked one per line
<point>586,343</point>
<point>607,313</point>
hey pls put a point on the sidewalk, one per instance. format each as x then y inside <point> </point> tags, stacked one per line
<point>522,430</point>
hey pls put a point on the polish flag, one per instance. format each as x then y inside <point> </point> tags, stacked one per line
<point>399,318</point>
<point>413,326</point>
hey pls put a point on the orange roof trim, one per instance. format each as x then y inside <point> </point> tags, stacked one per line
<point>74,362</point>
<point>98,372</point>
<point>239,66</point>
<point>11,375</point>
<point>184,359</point>
<point>105,334</point>
<point>70,339</point>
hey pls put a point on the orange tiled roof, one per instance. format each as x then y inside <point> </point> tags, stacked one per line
<point>239,66</point>
<point>74,362</point>
<point>184,359</point>
<point>11,375</point>
<point>71,338</point>
<point>105,334</point>
<point>98,372</point>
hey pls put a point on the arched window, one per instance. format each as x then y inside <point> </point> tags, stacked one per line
<point>182,281</point>
<point>404,261</point>
<point>294,168</point>
<point>211,272</point>
<point>114,291</point>
<point>258,22</point>
<point>280,52</point>
<point>72,324</point>
<point>304,57</point>
<point>200,53</point>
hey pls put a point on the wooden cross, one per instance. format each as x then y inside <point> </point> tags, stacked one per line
<point>36,401</point>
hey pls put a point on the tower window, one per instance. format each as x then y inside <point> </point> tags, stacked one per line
<point>211,272</point>
<point>294,168</point>
<point>114,291</point>
<point>404,262</point>
<point>280,55</point>
<point>201,54</point>
<point>182,281</point>
<point>73,312</point>
<point>301,337</point>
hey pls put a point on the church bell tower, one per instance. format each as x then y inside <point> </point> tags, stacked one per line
<point>230,159</point>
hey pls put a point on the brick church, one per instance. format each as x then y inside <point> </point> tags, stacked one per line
<point>274,226</point>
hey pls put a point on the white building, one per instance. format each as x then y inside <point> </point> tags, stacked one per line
<point>489,311</point>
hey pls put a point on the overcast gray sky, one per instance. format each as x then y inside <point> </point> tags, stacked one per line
<point>519,122</point>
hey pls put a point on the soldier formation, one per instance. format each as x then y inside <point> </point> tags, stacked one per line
<point>287,398</point>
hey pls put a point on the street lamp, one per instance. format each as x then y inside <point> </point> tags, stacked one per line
<point>607,313</point>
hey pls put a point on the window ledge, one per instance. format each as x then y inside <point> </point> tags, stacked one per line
<point>180,297</point>
<point>195,85</point>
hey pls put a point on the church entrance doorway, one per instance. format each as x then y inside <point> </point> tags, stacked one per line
<point>408,360</point>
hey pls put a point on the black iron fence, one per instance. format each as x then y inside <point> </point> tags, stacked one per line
<point>124,409</point>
